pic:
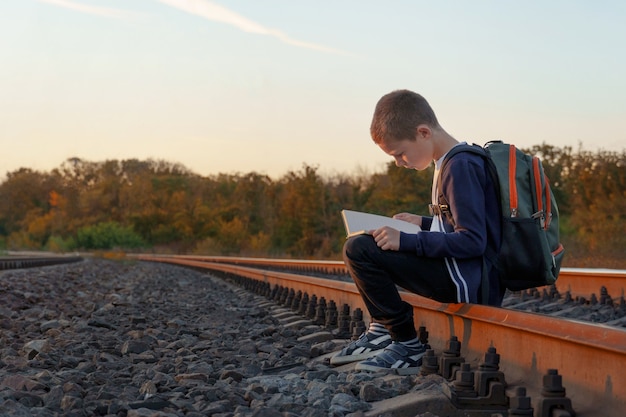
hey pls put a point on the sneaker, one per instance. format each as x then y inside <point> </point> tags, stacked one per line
<point>395,357</point>
<point>366,346</point>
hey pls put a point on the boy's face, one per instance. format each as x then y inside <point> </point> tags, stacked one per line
<point>413,154</point>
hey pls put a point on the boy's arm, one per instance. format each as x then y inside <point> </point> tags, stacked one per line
<point>463,185</point>
<point>427,221</point>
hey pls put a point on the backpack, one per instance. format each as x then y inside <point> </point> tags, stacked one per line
<point>531,253</point>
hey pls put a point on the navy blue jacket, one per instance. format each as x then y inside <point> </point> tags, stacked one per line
<point>471,195</point>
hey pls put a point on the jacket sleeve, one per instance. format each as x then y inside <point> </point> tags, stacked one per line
<point>463,183</point>
<point>426,222</point>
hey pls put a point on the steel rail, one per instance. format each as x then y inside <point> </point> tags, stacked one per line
<point>590,358</point>
<point>579,282</point>
<point>19,262</point>
<point>584,282</point>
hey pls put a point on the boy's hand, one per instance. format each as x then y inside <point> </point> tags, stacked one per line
<point>387,238</point>
<point>408,217</point>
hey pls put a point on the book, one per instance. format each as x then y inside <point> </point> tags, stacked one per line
<point>358,223</point>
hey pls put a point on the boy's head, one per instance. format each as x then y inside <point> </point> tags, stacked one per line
<point>398,114</point>
<point>403,126</point>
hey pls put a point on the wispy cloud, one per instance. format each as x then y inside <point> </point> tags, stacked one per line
<point>95,10</point>
<point>217,13</point>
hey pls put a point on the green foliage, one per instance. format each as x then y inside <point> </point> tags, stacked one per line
<point>60,245</point>
<point>108,235</point>
<point>131,204</point>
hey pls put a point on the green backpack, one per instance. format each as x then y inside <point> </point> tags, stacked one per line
<point>531,253</point>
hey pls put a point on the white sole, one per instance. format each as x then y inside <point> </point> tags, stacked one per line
<point>400,371</point>
<point>342,360</point>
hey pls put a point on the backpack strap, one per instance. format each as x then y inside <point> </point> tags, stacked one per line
<point>443,208</point>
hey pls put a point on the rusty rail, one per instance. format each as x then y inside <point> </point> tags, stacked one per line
<point>579,282</point>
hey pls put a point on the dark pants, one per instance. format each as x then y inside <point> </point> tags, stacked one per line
<point>376,273</point>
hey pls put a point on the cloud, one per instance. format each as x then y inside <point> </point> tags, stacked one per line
<point>217,13</point>
<point>95,10</point>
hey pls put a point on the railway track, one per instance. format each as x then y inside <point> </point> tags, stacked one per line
<point>555,359</point>
<point>19,262</point>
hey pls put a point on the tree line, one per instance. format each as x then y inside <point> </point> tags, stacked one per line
<point>159,206</point>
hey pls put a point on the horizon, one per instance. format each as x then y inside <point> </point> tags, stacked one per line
<point>358,171</point>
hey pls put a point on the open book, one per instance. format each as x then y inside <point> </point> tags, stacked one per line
<point>357,222</point>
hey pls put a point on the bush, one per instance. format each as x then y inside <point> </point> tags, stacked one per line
<point>60,245</point>
<point>108,235</point>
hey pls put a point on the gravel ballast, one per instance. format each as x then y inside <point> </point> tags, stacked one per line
<point>125,338</point>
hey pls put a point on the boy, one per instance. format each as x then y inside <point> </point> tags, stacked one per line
<point>443,262</point>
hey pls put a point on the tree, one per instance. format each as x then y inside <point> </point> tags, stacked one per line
<point>302,222</point>
<point>172,209</point>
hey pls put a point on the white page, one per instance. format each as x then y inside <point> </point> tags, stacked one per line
<point>357,222</point>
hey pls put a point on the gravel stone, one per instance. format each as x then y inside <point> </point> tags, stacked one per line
<point>138,339</point>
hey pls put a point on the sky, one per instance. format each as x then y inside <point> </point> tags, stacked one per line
<point>240,86</point>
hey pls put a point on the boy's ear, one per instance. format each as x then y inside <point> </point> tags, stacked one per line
<point>423,131</point>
